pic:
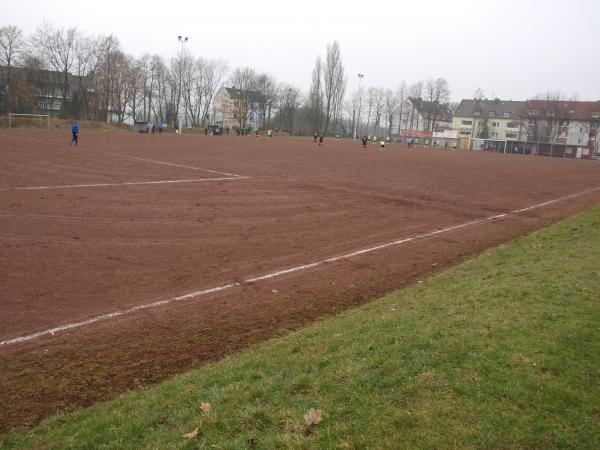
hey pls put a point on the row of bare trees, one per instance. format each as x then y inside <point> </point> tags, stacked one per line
<point>69,74</point>
<point>385,111</point>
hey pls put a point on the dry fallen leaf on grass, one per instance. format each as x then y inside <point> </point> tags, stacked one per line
<point>206,407</point>
<point>313,417</point>
<point>191,435</point>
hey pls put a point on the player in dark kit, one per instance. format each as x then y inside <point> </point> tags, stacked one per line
<point>365,140</point>
<point>321,140</point>
<point>75,131</point>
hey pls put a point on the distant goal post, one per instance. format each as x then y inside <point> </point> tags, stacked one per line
<point>13,119</point>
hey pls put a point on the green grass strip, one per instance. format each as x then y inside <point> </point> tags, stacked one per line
<point>500,352</point>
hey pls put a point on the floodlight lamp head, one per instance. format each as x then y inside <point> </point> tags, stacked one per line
<point>178,38</point>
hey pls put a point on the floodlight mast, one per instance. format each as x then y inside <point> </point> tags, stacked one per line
<point>183,40</point>
<point>360,77</point>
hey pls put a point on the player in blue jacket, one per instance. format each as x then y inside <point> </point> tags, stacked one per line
<point>75,131</point>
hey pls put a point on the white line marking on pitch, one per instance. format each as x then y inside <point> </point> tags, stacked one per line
<point>155,161</point>
<point>168,163</point>
<point>112,315</point>
<point>195,294</point>
<point>129,183</point>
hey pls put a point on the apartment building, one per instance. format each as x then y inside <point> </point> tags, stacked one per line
<point>490,119</point>
<point>565,126</point>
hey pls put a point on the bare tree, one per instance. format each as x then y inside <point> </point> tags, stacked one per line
<point>437,93</point>
<point>401,94</point>
<point>479,94</point>
<point>88,57</point>
<point>315,97</point>
<point>11,48</point>
<point>415,93</point>
<point>56,49</point>
<point>267,86</point>
<point>352,108</point>
<point>163,88</point>
<point>378,108</point>
<point>391,105</point>
<point>334,82</point>
<point>371,99</point>
<point>245,81</point>
<point>213,72</point>
<point>108,67</point>
<point>122,89</point>
<point>183,70</point>
<point>290,102</point>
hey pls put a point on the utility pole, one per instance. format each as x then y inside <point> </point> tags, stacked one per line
<point>183,40</point>
<point>360,77</point>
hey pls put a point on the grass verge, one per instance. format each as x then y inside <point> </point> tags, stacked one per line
<point>502,351</point>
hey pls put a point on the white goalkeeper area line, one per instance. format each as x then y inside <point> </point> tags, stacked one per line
<point>128,183</point>
<point>155,161</point>
<point>200,293</point>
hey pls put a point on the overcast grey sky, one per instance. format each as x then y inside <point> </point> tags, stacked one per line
<point>513,49</point>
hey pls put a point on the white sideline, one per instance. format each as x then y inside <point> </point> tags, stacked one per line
<point>278,273</point>
<point>129,183</point>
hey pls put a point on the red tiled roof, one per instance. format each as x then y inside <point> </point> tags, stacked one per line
<point>565,109</point>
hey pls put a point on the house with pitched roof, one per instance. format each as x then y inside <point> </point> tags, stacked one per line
<point>238,108</point>
<point>423,119</point>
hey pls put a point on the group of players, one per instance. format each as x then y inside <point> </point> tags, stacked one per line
<point>319,137</point>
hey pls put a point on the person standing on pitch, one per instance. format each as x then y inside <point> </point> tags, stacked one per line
<point>315,136</point>
<point>364,142</point>
<point>75,132</point>
<point>321,137</point>
<point>381,146</point>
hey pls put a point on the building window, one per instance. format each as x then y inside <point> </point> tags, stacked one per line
<point>494,135</point>
<point>511,125</point>
<point>492,113</point>
<point>595,114</point>
<point>532,112</point>
<point>495,124</point>
<point>507,114</point>
<point>477,113</point>
<point>571,111</point>
<point>467,122</point>
<point>465,133</point>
